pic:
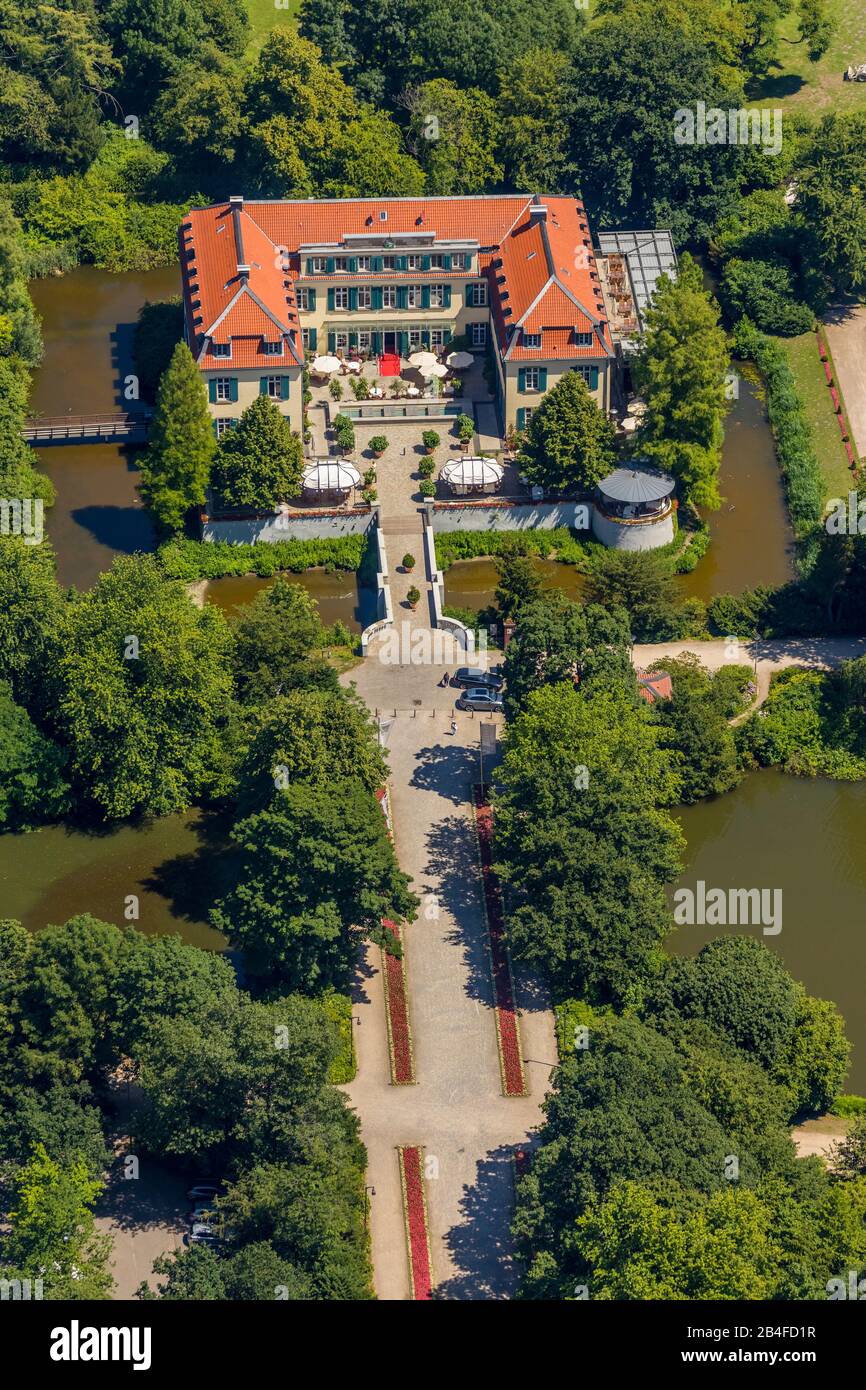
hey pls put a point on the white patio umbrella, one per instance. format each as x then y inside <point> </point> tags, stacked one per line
<point>436,370</point>
<point>330,476</point>
<point>459,359</point>
<point>324,365</point>
<point>422,360</point>
<point>413,391</point>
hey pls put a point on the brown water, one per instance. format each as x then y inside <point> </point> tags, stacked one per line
<point>339,596</point>
<point>752,540</point>
<point>806,837</point>
<point>88,319</point>
<point>172,865</point>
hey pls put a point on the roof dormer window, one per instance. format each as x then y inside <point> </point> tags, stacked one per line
<point>531,340</point>
<point>221,349</point>
<point>272,349</point>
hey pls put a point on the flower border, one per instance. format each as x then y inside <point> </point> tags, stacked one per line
<point>416,1220</point>
<point>511,1070</point>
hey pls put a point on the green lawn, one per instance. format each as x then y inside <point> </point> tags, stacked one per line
<point>264,15</point>
<point>819,87</point>
<point>811,383</point>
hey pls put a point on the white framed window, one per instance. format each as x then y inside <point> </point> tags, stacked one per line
<point>318,264</point>
<point>531,378</point>
<point>478,295</point>
<point>303,298</point>
<point>458,260</point>
<point>437,296</point>
<point>437,337</point>
<point>413,262</point>
<point>413,296</point>
<point>528,412</point>
<point>365,340</point>
<point>583,339</point>
<point>365,262</point>
<point>305,337</point>
<point>223,424</point>
<point>223,386</point>
<point>272,349</point>
<point>414,338</point>
<point>437,261</point>
<point>365,297</point>
<point>389,262</point>
<point>341,298</point>
<point>341,340</point>
<point>389,296</point>
<point>340,263</point>
<point>531,340</point>
<point>585,372</point>
<point>275,388</point>
<point>221,349</point>
<point>479,335</point>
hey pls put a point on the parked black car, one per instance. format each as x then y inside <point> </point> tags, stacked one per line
<point>472,676</point>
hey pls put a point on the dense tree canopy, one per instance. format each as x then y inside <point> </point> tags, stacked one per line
<point>176,467</point>
<point>569,441</point>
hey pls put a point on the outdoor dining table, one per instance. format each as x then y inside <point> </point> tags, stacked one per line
<point>352,366</point>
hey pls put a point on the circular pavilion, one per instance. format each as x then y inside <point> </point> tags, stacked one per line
<point>468,475</point>
<point>330,479</point>
<point>633,509</point>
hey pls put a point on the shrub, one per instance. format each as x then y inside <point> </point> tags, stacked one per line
<point>428,488</point>
<point>344,432</point>
<point>408,561</point>
<point>378,444</point>
<point>848,1105</point>
<point>763,291</point>
<point>465,427</point>
<point>188,559</point>
<point>335,386</point>
<point>413,596</point>
<point>430,440</point>
<point>426,468</point>
<point>369,495</point>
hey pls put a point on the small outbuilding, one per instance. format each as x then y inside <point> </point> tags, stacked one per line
<point>633,508</point>
<point>472,475</point>
<point>330,479</point>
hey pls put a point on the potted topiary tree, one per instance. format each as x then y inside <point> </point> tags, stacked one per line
<point>465,429</point>
<point>408,562</point>
<point>428,488</point>
<point>425,468</point>
<point>344,433</point>
<point>413,597</point>
<point>335,386</point>
<point>378,445</point>
<point>430,440</point>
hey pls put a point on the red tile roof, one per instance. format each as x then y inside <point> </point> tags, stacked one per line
<point>540,268</point>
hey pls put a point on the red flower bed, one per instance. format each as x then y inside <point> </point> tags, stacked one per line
<point>397,1008</point>
<point>415,1215</point>
<point>507,1028</point>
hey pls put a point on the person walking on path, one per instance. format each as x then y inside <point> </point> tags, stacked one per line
<point>454,726</point>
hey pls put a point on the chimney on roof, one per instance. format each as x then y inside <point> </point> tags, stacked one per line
<point>537,213</point>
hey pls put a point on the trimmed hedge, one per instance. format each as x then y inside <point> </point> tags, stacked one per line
<point>475,545</point>
<point>338,1008</point>
<point>800,469</point>
<point>188,559</point>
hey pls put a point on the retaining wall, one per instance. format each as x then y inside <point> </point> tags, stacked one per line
<point>285,526</point>
<point>505,515</point>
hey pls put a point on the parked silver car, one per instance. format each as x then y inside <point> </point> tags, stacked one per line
<point>479,698</point>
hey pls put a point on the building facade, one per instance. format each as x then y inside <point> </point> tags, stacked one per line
<point>511,278</point>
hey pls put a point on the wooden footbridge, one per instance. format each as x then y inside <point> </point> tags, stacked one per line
<point>88,429</point>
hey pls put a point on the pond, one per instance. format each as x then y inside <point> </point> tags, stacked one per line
<point>752,540</point>
<point>88,320</point>
<point>171,865</point>
<point>339,596</point>
<point>804,836</point>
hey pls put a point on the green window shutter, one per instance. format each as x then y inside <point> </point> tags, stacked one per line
<point>468,261</point>
<point>468,296</point>
<point>377,265</point>
<point>233,388</point>
<point>330,301</point>
<point>404,344</point>
<point>593,378</point>
<point>425,262</point>
<point>402,296</point>
<point>284,387</point>
<point>353,340</point>
<point>263,386</point>
<point>447,297</point>
<point>353,298</point>
<point>311,301</point>
<point>211,391</point>
<point>401,262</point>
<point>313,338</point>
<point>330,265</point>
<point>542,378</point>
<point>309,266</point>
<point>376,296</point>
<point>521,379</point>
<point>332,342</point>
<point>521,418</point>
<point>425,296</point>
<point>214,424</point>
<point>376,342</point>
<point>447,262</point>
<point>353,265</point>
<point>425,336</point>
